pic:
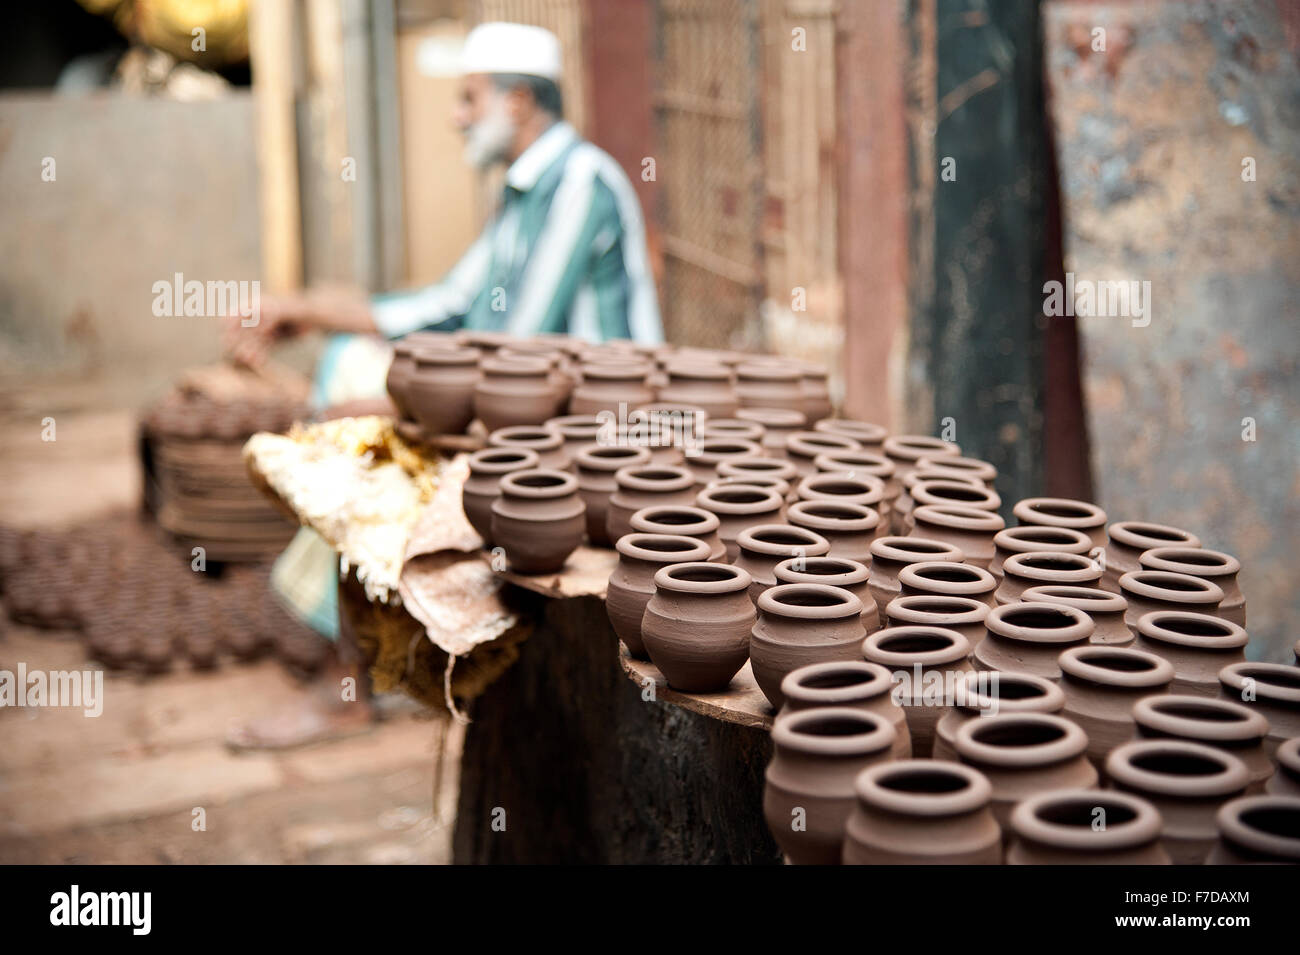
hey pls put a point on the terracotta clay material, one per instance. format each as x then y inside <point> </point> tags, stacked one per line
<point>538,520</point>
<point>850,528</point>
<point>576,431</point>
<point>842,488</point>
<point>816,388</point>
<point>680,519</point>
<point>1063,512</point>
<point>956,466</point>
<point>776,385</point>
<point>855,684</point>
<point>809,792</point>
<point>963,614</point>
<point>733,429</point>
<point>1258,829</point>
<point>641,487</point>
<point>763,546</point>
<point>1129,540</point>
<point>759,467</point>
<point>802,448</point>
<point>595,467</point>
<point>548,444</point>
<point>777,423</point>
<point>947,578</point>
<point>905,450</point>
<point>850,575</point>
<point>1105,608</point>
<point>961,492</point>
<point>702,384</point>
<point>905,503</point>
<point>697,623</point>
<point>1028,638</point>
<point>800,624</point>
<point>740,506</point>
<point>1286,781</point>
<point>780,487</point>
<point>486,341</point>
<point>399,376</point>
<point>1102,685</point>
<point>983,692</point>
<point>870,436</point>
<point>1020,572</point>
<point>482,486</point>
<point>967,528</point>
<point>714,451</point>
<point>919,812</point>
<point>1186,782</point>
<point>923,660</point>
<point>514,391</point>
<point>1148,591</point>
<point>604,387</point>
<point>889,555</point>
<point>1225,725</point>
<point>632,582</point>
<point>859,463</point>
<point>1270,689</point>
<point>1024,754</point>
<point>667,427</point>
<point>1198,645</point>
<point>1060,828</point>
<point>440,388</point>
<point>1212,565</point>
<point>1037,538</point>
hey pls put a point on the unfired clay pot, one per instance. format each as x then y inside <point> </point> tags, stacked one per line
<point>733,429</point>
<point>955,466</point>
<point>548,444</point>
<point>697,623</point>
<point>482,486</point>
<point>763,546</point>
<point>947,578</point>
<point>514,391</point>
<point>770,385</point>
<point>1286,781</point>
<point>1212,565</point>
<point>906,449</point>
<point>1101,686</point>
<point>777,423</point>
<point>849,528</point>
<point>1105,608</point>
<point>906,503</point>
<point>870,436</point>
<point>740,506</point>
<point>803,447</point>
<point>1186,782</point>
<point>1148,591</point>
<point>969,529</point>
<point>538,520</point>
<point>632,582</point>
<point>816,388</point>
<point>855,684</point>
<point>1061,828</point>
<point>922,660</point>
<point>961,492</point>
<point>1258,829</point>
<point>1129,540</point>
<point>595,467</point>
<point>963,614</point>
<point>1033,537</point>
<point>1225,725</point>
<point>1023,754</point>
<point>576,431</point>
<point>606,387</point>
<point>984,692</point>
<point>1079,516</point>
<point>919,812</point>
<point>841,488</point>
<point>681,519</point>
<point>667,429</point>
<point>712,452</point>
<point>816,756</point>
<point>782,488</point>
<point>800,624</point>
<point>642,487</point>
<point>1029,638</point>
<point>889,555</point>
<point>399,376</point>
<point>440,389</point>
<point>1039,568</point>
<point>704,385</point>
<point>859,463</point>
<point>1270,689</point>
<point>759,466</point>
<point>850,575</point>
<point>1198,645</point>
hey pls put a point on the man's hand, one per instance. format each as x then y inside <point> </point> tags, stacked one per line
<point>279,317</point>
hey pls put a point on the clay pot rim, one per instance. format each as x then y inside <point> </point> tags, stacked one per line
<point>793,686</point>
<point>758,466</point>
<point>1167,559</point>
<point>862,518</point>
<point>914,575</point>
<point>1150,713</point>
<point>576,422</point>
<point>714,499</point>
<point>738,579</point>
<point>983,471</point>
<point>633,547</point>
<point>1051,698</point>
<point>1070,744</point>
<point>1079,664</point>
<point>605,370</point>
<point>1234,676</point>
<point>1021,565</point>
<point>810,444</point>
<point>707,522</point>
<point>767,371</point>
<point>749,540</point>
<point>788,732</point>
<point>696,369</point>
<point>512,436</point>
<point>774,601</point>
<point>1030,511</point>
<point>1133,534</point>
<point>1078,630</point>
<point>1232,777</point>
<point>519,367</point>
<point>976,611</point>
<point>628,477</point>
<point>923,493</point>
<point>843,462</point>
<point>958,518</point>
<point>958,647</point>
<point>561,484</point>
<point>1144,828</point>
<point>917,476</point>
<point>438,355</point>
<point>669,407</point>
<point>854,572</point>
<point>872,488</point>
<point>1234,828</point>
<point>864,432</point>
<point>1197,591</point>
<point>744,449</point>
<point>913,447</point>
<point>776,485</point>
<point>1154,626</point>
<point>870,787</point>
<point>609,458</point>
<point>1091,600</point>
<point>480,462</point>
<point>780,419</point>
<point>734,427</point>
<point>890,548</point>
<point>1288,756</point>
<point>1009,539</point>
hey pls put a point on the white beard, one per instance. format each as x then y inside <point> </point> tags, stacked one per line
<point>488,141</point>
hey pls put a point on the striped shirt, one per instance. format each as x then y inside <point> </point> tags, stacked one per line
<point>566,252</point>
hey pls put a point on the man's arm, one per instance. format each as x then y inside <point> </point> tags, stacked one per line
<point>443,304</point>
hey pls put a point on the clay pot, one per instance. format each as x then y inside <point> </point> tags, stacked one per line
<point>889,555</point>
<point>538,520</point>
<point>547,444</point>
<point>947,578</point>
<point>1225,725</point>
<point>1040,568</point>
<point>856,464</point>
<point>1036,538</point>
<point>1199,646</point>
<point>759,467</point>
<point>778,424</point>
<point>959,492</point>
<point>905,450</point>
<point>918,812</point>
<point>1149,591</point>
<point>514,391</point>
<point>776,485</point>
<point>967,528</point>
<point>632,582</point>
<point>870,436</point>
<point>704,385</point>
<point>1105,608</point>
<point>576,431</point>
<point>1270,689</point>
<point>697,623</point>
<point>855,684</point>
<point>1212,565</point>
<point>1101,686</point>
<point>1186,782</point>
<point>733,429</point>
<point>803,448</point>
<point>714,451</point>
<point>1286,781</point>
<point>1029,638</point>
<point>606,387</point>
<point>668,429</point>
<point>847,574</point>
<point>816,756</point>
<point>399,376</point>
<point>761,547</point>
<point>842,488</point>
<point>800,624</point>
<point>485,341</point>
<point>957,467</point>
<point>680,519</point>
<point>1257,829</point>
<point>482,486</point>
<point>849,528</point>
<point>740,506</point>
<point>1024,754</point>
<point>816,389</point>
<point>982,694</point>
<point>963,614</point>
<point>770,385</point>
<point>1062,512</point>
<point>923,660</point>
<point>637,488</point>
<point>905,504</point>
<point>1129,540</point>
<point>1060,828</point>
<point>595,467</point>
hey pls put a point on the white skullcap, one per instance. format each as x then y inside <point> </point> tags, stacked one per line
<point>512,48</point>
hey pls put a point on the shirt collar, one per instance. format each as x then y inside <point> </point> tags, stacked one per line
<point>537,158</point>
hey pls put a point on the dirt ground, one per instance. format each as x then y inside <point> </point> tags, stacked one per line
<point>126,787</point>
